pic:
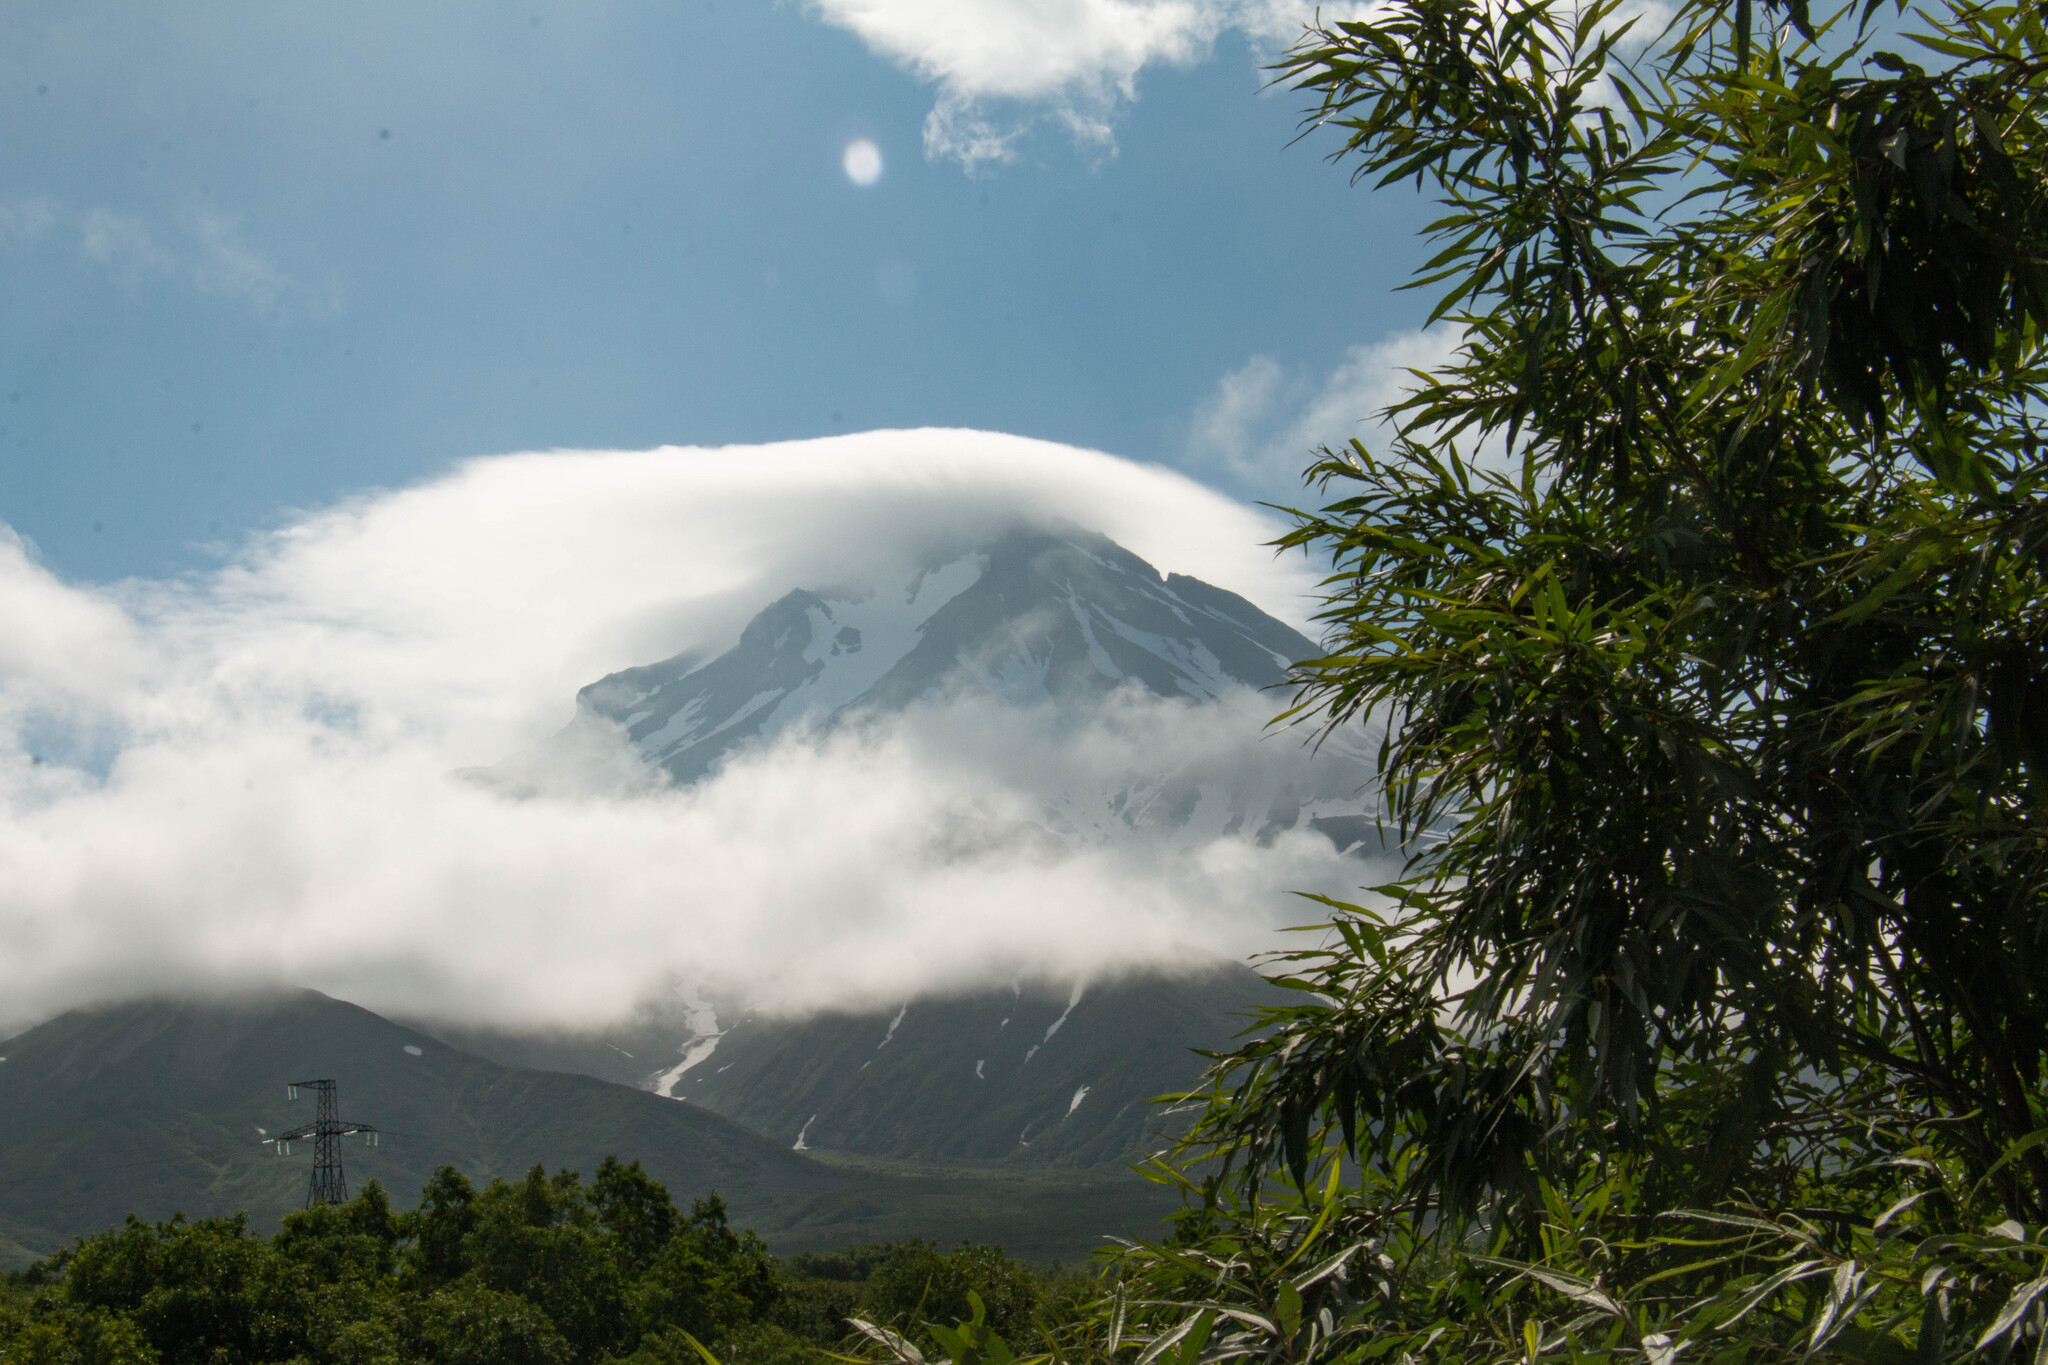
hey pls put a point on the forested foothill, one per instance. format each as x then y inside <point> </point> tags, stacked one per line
<point>546,1271</point>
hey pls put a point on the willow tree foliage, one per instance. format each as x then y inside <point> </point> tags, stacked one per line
<point>1700,603</point>
<point>1701,599</point>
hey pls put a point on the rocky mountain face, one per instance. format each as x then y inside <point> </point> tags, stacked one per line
<point>1056,622</point>
<point>1063,1077</point>
<point>1037,1075</point>
<point>1033,617</point>
<point>1053,623</point>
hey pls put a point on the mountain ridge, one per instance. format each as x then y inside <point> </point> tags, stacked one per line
<point>1125,702</point>
<point>1031,616</point>
<point>988,1076</point>
<point>162,1106</point>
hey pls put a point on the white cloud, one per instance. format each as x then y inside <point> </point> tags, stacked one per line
<point>1263,423</point>
<point>122,244</point>
<point>250,779</point>
<point>27,220</point>
<point>1000,65</point>
<point>57,641</point>
<point>227,265</point>
<point>204,251</point>
<point>1235,426</point>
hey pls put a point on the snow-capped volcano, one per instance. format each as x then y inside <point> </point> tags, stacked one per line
<point>1143,695</point>
<point>1034,617</point>
<point>1057,630</point>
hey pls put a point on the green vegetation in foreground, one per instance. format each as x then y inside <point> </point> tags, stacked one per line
<point>539,1272</point>
<point>1701,605</point>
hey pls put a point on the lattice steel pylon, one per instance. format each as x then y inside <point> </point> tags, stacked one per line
<point>328,1185</point>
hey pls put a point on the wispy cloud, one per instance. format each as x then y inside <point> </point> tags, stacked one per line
<point>1263,422</point>
<point>23,221</point>
<point>1002,66</point>
<point>121,244</point>
<point>225,264</point>
<point>203,250</point>
<point>252,779</point>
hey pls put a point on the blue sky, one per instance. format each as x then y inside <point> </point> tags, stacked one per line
<point>256,259</point>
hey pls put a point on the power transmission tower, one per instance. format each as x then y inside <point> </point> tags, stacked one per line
<point>327,1130</point>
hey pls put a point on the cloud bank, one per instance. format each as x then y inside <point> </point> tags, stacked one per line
<point>1002,65</point>
<point>252,779</point>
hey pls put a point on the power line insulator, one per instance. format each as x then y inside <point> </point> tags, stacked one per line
<point>328,1185</point>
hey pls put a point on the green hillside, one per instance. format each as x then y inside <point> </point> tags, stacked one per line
<point>985,1077</point>
<point>159,1108</point>
<point>998,1076</point>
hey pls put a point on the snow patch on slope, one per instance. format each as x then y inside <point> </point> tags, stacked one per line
<point>1072,1001</point>
<point>893,1025</point>
<point>854,637</point>
<point>702,1018</point>
<point>694,1051</point>
<point>860,636</point>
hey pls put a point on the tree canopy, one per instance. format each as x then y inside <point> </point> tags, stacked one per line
<point>1698,607</point>
<point>1701,599</point>
<point>547,1270</point>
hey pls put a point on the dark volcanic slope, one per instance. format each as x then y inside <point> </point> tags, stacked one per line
<point>1033,1076</point>
<point>1035,616</point>
<point>997,1075</point>
<point>159,1108</point>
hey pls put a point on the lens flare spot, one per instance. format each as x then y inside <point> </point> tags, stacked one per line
<point>863,162</point>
